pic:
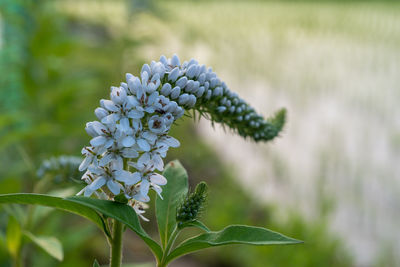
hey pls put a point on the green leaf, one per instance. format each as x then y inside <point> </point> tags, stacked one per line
<point>55,202</point>
<point>13,237</point>
<point>233,234</point>
<point>96,264</point>
<point>197,224</point>
<point>122,213</point>
<point>173,193</point>
<point>49,244</point>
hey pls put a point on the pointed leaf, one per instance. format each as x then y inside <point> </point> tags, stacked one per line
<point>55,202</point>
<point>233,234</point>
<point>13,236</point>
<point>96,264</point>
<point>173,193</point>
<point>122,213</point>
<point>197,224</point>
<point>49,244</point>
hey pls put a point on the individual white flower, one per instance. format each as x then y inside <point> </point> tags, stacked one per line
<point>157,124</point>
<point>148,102</point>
<point>101,113</point>
<point>139,209</point>
<point>152,180</point>
<point>168,118</point>
<point>90,154</point>
<point>157,68</point>
<point>102,135</point>
<point>118,95</point>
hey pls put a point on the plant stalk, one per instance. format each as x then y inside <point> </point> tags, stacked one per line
<point>116,244</point>
<point>170,243</point>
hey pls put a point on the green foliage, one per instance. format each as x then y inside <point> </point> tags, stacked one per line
<point>13,237</point>
<point>233,234</point>
<point>49,244</point>
<point>173,193</point>
<point>195,223</point>
<point>122,213</point>
<point>55,202</point>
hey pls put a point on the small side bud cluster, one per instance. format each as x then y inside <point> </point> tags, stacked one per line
<point>130,137</point>
<point>192,205</point>
<point>61,167</point>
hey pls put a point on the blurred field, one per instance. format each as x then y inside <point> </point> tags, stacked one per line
<point>331,180</point>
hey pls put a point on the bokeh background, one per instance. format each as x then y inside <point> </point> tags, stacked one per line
<point>332,179</point>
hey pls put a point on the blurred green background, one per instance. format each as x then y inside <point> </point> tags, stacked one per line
<point>333,179</point>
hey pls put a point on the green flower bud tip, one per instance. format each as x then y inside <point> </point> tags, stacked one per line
<point>192,205</point>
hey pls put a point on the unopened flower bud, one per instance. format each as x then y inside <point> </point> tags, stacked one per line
<point>166,89</point>
<point>175,92</point>
<point>173,75</point>
<point>181,82</point>
<point>192,205</point>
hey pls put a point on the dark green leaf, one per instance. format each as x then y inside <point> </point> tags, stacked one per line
<point>55,202</point>
<point>233,234</point>
<point>122,213</point>
<point>173,193</point>
<point>96,264</point>
<point>49,244</point>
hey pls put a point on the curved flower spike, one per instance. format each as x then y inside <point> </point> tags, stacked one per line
<point>131,139</point>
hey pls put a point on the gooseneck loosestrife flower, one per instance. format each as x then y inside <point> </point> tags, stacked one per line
<point>130,138</point>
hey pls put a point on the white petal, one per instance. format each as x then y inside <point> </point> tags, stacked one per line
<point>136,177</point>
<point>128,141</point>
<point>117,164</point>
<point>98,141</point>
<point>144,187</point>
<point>114,187</point>
<point>158,162</point>
<point>108,104</point>
<point>87,191</point>
<point>152,98</point>
<point>143,144</point>
<point>124,125</point>
<point>158,190</point>
<point>96,184</point>
<point>149,136</point>
<point>85,163</point>
<point>158,179</point>
<point>125,176</point>
<point>109,143</point>
<point>112,118</point>
<point>130,153</point>
<point>105,159</point>
<point>135,114</point>
<point>144,159</point>
<point>172,142</point>
<point>142,198</point>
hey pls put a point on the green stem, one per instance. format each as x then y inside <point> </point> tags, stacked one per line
<point>116,244</point>
<point>18,261</point>
<point>170,243</point>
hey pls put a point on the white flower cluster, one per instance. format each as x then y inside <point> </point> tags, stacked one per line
<point>131,138</point>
